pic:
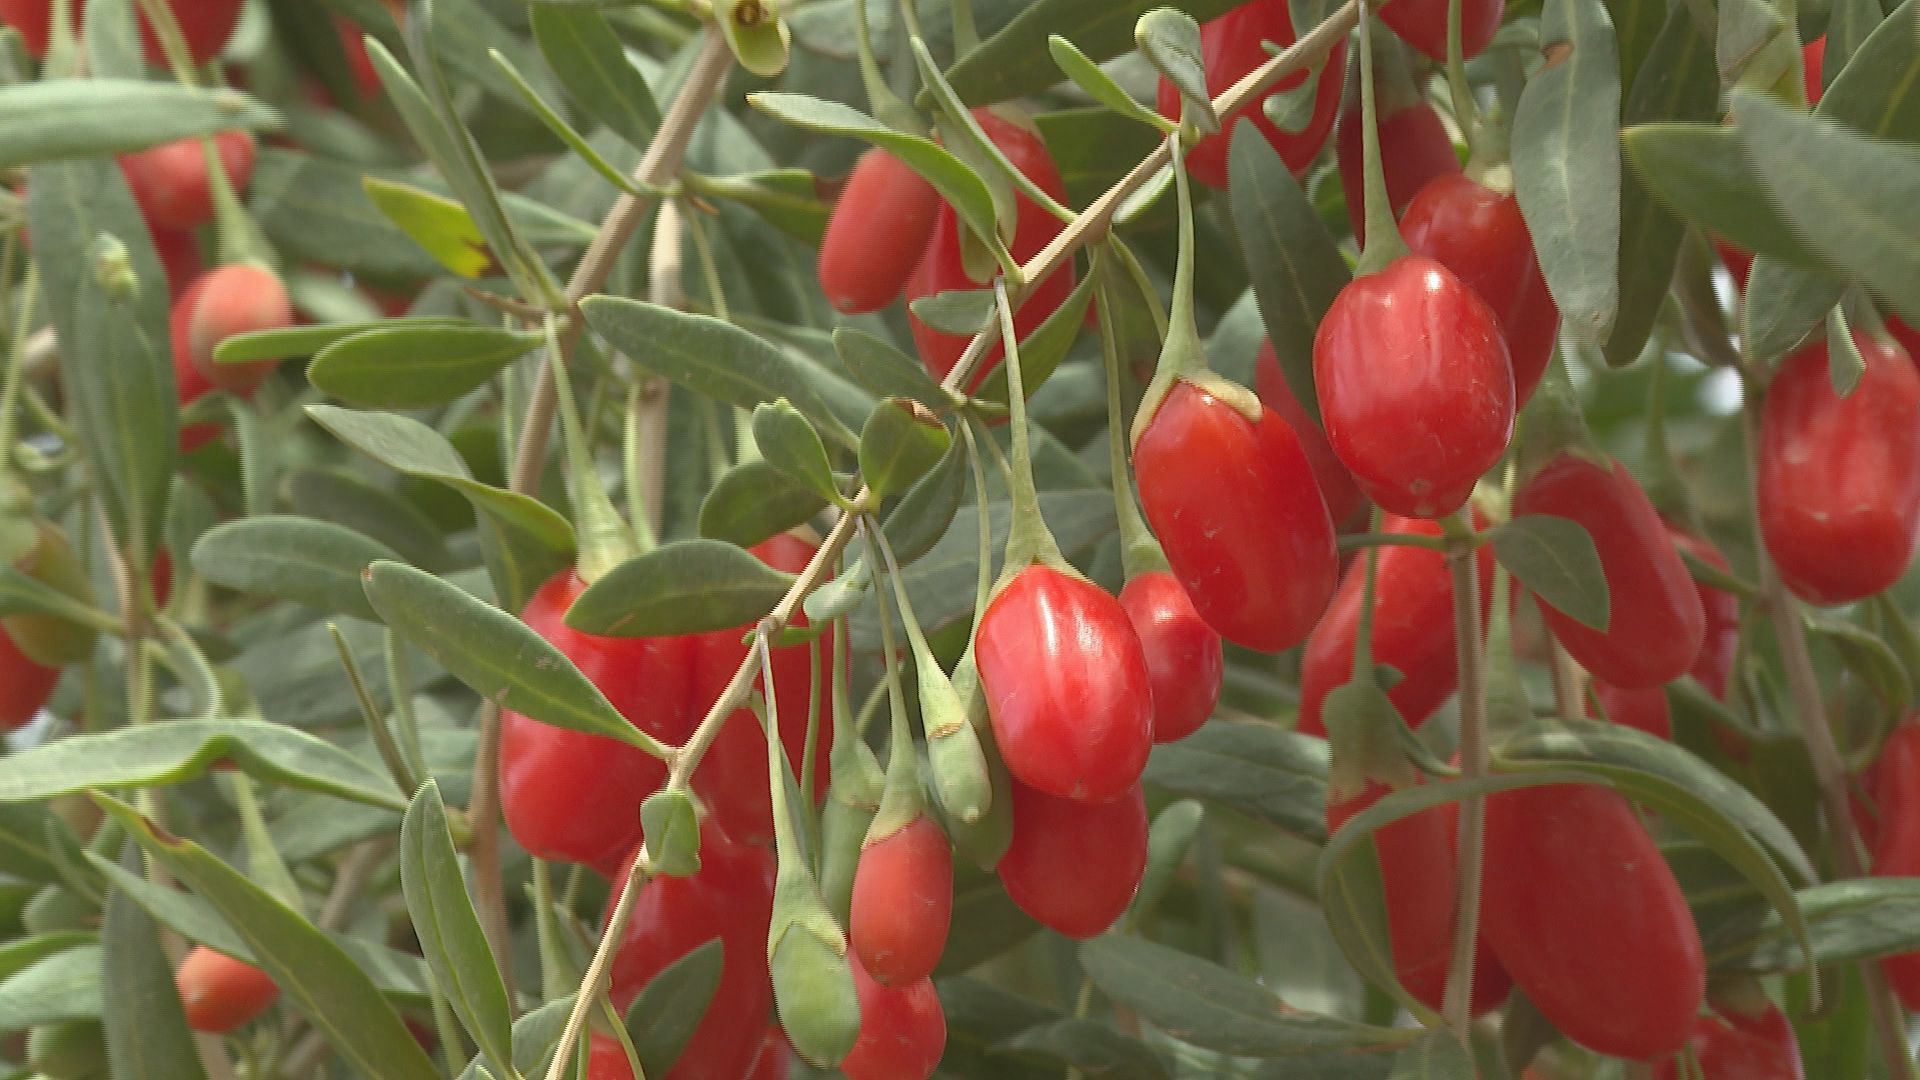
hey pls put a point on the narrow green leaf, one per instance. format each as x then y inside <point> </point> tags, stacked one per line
<point>587,57</point>
<point>62,986</point>
<point>668,1009</point>
<point>921,517</point>
<point>308,562</point>
<point>496,654</point>
<point>885,370</point>
<point>1042,351</point>
<point>61,119</point>
<point>1100,86</point>
<point>1013,62</point>
<point>111,39</point>
<point>1277,776</point>
<point>1170,40</point>
<point>789,443</point>
<point>753,501</point>
<point>1863,919</point>
<point>686,587</point>
<point>1754,45</point>
<point>415,367</point>
<point>309,340</point>
<point>1566,164</point>
<point>1437,1056</point>
<point>1554,557</point>
<point>441,226</point>
<point>960,312</point>
<point>1168,839</point>
<point>1701,172</point>
<point>449,931</point>
<point>1867,656</point>
<point>1845,365</point>
<point>146,1026</point>
<point>1848,27</point>
<point>1878,90</point>
<point>1089,1046</point>
<point>313,974</point>
<point>899,446</point>
<point>1785,305</point>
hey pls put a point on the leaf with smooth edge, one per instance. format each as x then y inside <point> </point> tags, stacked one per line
<point>22,953</point>
<point>60,119</point>
<point>663,1017</point>
<point>1701,172</point>
<point>1170,40</point>
<point>313,974</point>
<point>587,57</point>
<point>1566,164</point>
<point>414,367</point>
<point>1437,1056</point>
<point>1275,775</point>
<point>710,357</point>
<point>922,516</point>
<point>1013,63</point>
<point>1784,305</point>
<point>1862,919</point>
<point>24,595</point>
<point>1092,1047</point>
<point>534,1037</point>
<point>497,655</point>
<point>449,931</point>
<point>1878,91</point>
<point>308,340</point>
<point>310,562</point>
<point>961,312</point>
<point>753,501</point>
<point>440,225</point>
<point>147,1035</point>
<point>898,447</point>
<point>686,587</point>
<point>1100,86</point>
<point>1554,557</point>
<point>1867,656</point>
<point>1042,351</point>
<point>63,986</point>
<point>1202,1003</point>
<point>1294,266</point>
<point>969,195</point>
<point>180,750</point>
<point>1854,200</point>
<point>789,443</point>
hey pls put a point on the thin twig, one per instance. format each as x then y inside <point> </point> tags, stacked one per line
<point>1456,1003</point>
<point>637,875</point>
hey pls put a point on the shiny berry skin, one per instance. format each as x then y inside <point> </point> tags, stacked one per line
<point>732,778</point>
<point>903,903</point>
<point>1478,233</point>
<point>731,898</point>
<point>567,795</point>
<point>1067,686</point>
<point>1655,622</point>
<point>1236,507</point>
<point>170,181</point>
<point>1423,25</point>
<point>1418,872</point>
<point>1344,501</point>
<point>1896,839</point>
<point>1074,866</point>
<point>941,270</point>
<point>1586,916</point>
<point>1415,387</point>
<point>1412,628</point>
<point>1720,642</point>
<point>1730,1046</point>
<point>607,1059</point>
<point>1813,62</point>
<point>1230,46</point>
<point>179,254</point>
<point>1414,148</point>
<point>903,1030</point>
<point>221,993</point>
<point>1645,708</point>
<point>219,304</point>
<point>206,24</point>
<point>1184,662</point>
<point>1839,478</point>
<point>877,233</point>
<point>24,685</point>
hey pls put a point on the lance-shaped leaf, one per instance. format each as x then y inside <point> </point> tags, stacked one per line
<point>686,587</point>
<point>309,340</point>
<point>497,655</point>
<point>310,562</point>
<point>754,500</point>
<point>147,1035</point>
<point>900,443</point>
<point>1554,557</point>
<point>1785,304</point>
<point>1170,40</point>
<point>62,986</point>
<point>441,226</point>
<point>885,370</point>
<point>1878,91</point>
<point>1862,919</point>
<point>414,367</point>
<point>1013,62</point>
<point>1701,172</point>
<point>591,64</point>
<point>789,443</point>
<point>449,931</point>
<point>61,119</point>
<point>670,1007</point>
<point>1277,776</point>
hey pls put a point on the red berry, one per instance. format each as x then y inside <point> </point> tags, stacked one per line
<point>1414,148</point>
<point>1731,1046</point>
<point>1074,866</point>
<point>1813,61</point>
<point>221,303</point>
<point>573,796</point>
<point>221,993</point>
<point>1719,643</point>
<point>24,685</point>
<point>1184,662</point>
<point>1344,500</point>
<point>1478,233</point>
<point>1231,46</point>
<point>1418,873</point>
<point>903,1031</point>
<point>170,181</point>
<point>607,1059</point>
<point>775,1056</point>
<point>1423,24</point>
<point>206,24</point>
<point>1645,708</point>
<point>903,903</point>
<point>877,234</point>
<point>1067,686</point>
<point>1240,515</point>
<point>730,898</point>
<point>941,269</point>
<point>1415,386</point>
<point>1839,478</point>
<point>1412,628</point>
<point>1738,261</point>
<point>1655,623</point>
<point>1896,840</point>
<point>1586,916</point>
<point>179,254</point>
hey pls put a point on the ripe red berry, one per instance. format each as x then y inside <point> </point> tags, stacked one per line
<point>1233,45</point>
<point>1415,386</point>
<point>1184,662</point>
<point>1478,233</point>
<point>941,268</point>
<point>1237,509</point>
<point>1074,866</point>
<point>179,254</point>
<point>1344,500</point>
<point>1896,837</point>
<point>903,1031</point>
<point>1733,1046</point>
<point>1418,873</point>
<point>24,685</point>
<point>1586,916</point>
<point>221,993</point>
<point>170,182</point>
<point>567,795</point>
<point>1067,686</point>
<point>1839,478</point>
<point>607,1059</point>
<point>730,898</point>
<point>1412,628</point>
<point>1738,261</point>
<point>1414,148</point>
<point>1645,708</point>
<point>1720,641</point>
<point>1813,62</point>
<point>878,231</point>
<point>223,302</point>
<point>903,903</point>
<point>775,1056</point>
<point>1655,622</point>
<point>206,24</point>
<point>1423,24</point>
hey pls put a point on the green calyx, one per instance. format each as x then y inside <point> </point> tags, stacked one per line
<point>986,838</point>
<point>813,989</point>
<point>602,537</point>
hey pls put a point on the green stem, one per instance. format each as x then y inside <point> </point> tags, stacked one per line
<point>594,984</point>
<point>983,581</point>
<point>1464,110</point>
<point>1181,355</point>
<point>901,799</point>
<point>1358,541</point>
<point>1456,1003</point>
<point>1029,541</point>
<point>1384,243</point>
<point>383,742</point>
<point>398,682</point>
<point>966,36</point>
<point>16,373</point>
<point>886,105</point>
<point>1140,553</point>
<point>1149,295</point>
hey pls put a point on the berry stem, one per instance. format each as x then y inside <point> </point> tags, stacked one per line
<point>1140,553</point>
<point>1384,243</point>
<point>1465,112</point>
<point>1028,541</point>
<point>1456,1003</point>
